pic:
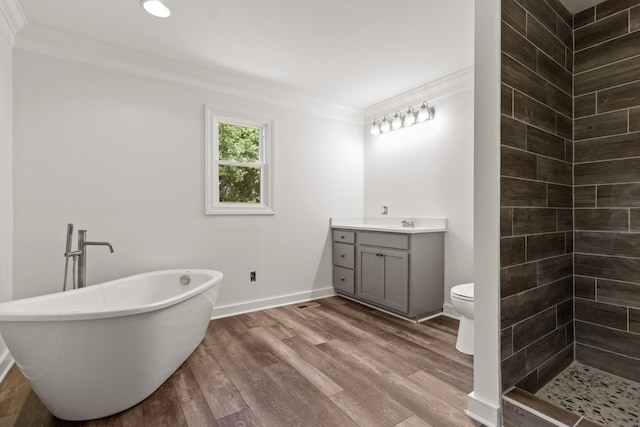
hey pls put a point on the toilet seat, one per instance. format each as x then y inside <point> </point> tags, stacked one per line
<point>463,292</point>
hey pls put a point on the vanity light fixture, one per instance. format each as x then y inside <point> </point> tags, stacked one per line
<point>385,125</point>
<point>425,113</point>
<point>155,8</point>
<point>396,123</point>
<point>375,127</point>
<point>411,117</point>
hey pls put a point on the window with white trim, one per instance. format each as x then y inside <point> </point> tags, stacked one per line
<point>239,164</point>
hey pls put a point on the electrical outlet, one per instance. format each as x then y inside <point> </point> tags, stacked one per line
<point>252,276</point>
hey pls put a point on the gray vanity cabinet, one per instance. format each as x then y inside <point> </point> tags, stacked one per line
<point>400,272</point>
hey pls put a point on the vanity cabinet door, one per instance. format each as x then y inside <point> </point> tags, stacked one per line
<point>384,277</point>
<point>395,289</point>
<point>370,280</point>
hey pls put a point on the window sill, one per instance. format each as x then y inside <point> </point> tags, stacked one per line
<point>239,209</point>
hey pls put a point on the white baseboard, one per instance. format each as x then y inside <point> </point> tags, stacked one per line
<point>429,317</point>
<point>248,307</point>
<point>448,310</point>
<point>390,313</point>
<point>6,362</point>
<point>483,412</point>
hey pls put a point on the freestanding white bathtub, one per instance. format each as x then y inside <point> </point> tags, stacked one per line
<point>96,351</point>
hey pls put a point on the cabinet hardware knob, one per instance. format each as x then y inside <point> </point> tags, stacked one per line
<point>342,256</point>
<point>342,280</point>
<point>342,237</point>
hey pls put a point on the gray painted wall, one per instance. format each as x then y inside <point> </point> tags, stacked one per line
<point>122,155</point>
<point>6,177</point>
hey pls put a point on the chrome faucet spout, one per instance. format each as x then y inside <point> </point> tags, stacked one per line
<point>82,258</point>
<point>100,244</point>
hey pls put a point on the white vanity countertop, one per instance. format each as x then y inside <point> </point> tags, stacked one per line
<point>391,225</point>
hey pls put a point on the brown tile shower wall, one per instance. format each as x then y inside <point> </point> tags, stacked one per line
<point>607,187</point>
<point>536,246</point>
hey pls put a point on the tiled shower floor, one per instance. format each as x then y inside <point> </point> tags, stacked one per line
<point>599,396</point>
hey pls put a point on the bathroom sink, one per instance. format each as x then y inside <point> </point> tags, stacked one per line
<point>391,227</point>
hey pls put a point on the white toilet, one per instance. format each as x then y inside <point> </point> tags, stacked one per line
<point>462,300</point>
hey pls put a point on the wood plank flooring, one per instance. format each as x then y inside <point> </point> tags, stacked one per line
<point>330,362</point>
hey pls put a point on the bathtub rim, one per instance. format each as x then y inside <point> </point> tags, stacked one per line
<point>29,316</point>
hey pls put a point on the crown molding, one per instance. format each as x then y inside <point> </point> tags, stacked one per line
<point>58,44</point>
<point>430,92</point>
<point>12,19</point>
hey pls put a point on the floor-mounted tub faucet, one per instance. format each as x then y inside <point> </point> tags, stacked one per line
<point>79,257</point>
<point>82,258</point>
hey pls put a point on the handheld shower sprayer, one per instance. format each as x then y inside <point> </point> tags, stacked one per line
<point>69,237</point>
<point>67,250</point>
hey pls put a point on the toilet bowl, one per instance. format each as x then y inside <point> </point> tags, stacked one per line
<point>462,300</point>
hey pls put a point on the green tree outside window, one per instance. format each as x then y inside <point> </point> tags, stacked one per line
<point>239,183</point>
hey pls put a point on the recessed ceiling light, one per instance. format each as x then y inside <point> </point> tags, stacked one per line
<point>155,8</point>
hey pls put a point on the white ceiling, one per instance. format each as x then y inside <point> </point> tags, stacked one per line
<point>350,52</point>
<point>575,6</point>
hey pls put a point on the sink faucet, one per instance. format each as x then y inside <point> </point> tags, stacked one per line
<point>82,256</point>
<point>406,223</point>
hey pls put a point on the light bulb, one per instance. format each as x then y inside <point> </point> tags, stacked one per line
<point>375,127</point>
<point>385,125</point>
<point>396,123</point>
<point>423,113</point>
<point>409,118</point>
<point>156,8</point>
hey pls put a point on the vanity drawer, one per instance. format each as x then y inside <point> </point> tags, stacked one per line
<point>343,279</point>
<point>387,240</point>
<point>344,236</point>
<point>343,255</point>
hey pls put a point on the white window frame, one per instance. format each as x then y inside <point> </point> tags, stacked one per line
<point>213,205</point>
